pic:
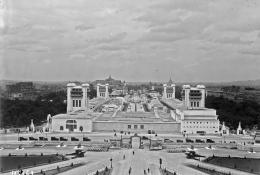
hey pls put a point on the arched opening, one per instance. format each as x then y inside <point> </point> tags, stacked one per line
<point>61,128</point>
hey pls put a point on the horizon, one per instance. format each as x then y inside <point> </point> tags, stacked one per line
<point>147,81</point>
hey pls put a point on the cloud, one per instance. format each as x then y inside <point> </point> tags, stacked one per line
<point>113,47</point>
<point>167,35</point>
<point>83,27</point>
<point>254,52</point>
<point>108,39</point>
<point>77,56</point>
<point>231,40</point>
<point>162,37</point>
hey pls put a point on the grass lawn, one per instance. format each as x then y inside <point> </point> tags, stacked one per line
<point>243,164</point>
<point>13,162</point>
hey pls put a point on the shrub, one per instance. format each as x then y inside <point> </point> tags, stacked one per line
<point>41,154</point>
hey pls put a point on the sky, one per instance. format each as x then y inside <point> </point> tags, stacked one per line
<point>137,40</point>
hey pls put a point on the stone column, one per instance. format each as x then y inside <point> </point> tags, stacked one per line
<point>98,93</point>
<point>85,96</point>
<point>186,89</point>
<point>164,91</point>
<point>173,88</point>
<point>69,100</point>
<point>203,94</point>
<point>106,93</point>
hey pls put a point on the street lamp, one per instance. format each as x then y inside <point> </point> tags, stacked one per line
<point>18,131</point>
<point>111,162</point>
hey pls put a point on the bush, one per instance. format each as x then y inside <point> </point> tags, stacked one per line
<point>41,154</point>
<point>9,154</point>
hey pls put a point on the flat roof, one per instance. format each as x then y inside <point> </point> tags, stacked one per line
<point>135,117</point>
<point>80,114</point>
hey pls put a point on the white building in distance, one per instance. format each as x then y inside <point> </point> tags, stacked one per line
<point>191,112</point>
<point>169,91</point>
<point>102,90</point>
<point>170,115</point>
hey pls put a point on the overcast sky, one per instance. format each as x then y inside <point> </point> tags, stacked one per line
<point>133,40</point>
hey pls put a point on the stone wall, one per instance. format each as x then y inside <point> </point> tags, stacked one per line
<point>109,126</point>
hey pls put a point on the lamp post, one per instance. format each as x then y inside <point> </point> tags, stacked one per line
<point>18,132</point>
<point>111,162</point>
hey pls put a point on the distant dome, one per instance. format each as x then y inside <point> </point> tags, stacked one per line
<point>71,84</point>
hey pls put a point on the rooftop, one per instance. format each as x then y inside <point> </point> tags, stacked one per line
<point>135,117</point>
<point>80,114</point>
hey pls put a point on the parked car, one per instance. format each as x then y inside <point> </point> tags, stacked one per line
<point>189,141</point>
<point>22,139</point>
<point>43,138</point>
<point>32,139</point>
<point>210,141</point>
<point>144,138</point>
<point>199,141</point>
<point>168,141</point>
<point>63,139</point>
<point>179,141</point>
<point>86,139</point>
<point>54,139</point>
<point>74,139</point>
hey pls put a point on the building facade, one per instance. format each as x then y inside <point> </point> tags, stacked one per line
<point>189,116</point>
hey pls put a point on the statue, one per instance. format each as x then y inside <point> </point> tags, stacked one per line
<point>32,127</point>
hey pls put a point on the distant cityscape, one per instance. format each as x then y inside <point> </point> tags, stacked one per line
<point>29,90</point>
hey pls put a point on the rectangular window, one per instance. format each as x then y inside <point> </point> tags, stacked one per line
<point>79,103</point>
<point>198,104</point>
<point>135,126</point>
<point>73,101</point>
<point>129,126</point>
<point>76,103</point>
<point>191,104</point>
<point>142,126</point>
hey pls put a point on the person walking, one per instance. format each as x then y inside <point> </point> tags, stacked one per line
<point>124,157</point>
<point>130,170</point>
<point>144,172</point>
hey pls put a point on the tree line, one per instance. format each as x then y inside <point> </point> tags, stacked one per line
<point>247,112</point>
<point>18,113</point>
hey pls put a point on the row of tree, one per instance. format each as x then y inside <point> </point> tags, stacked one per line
<point>231,112</point>
<point>18,113</point>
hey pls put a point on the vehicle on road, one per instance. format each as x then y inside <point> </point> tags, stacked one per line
<point>74,139</point>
